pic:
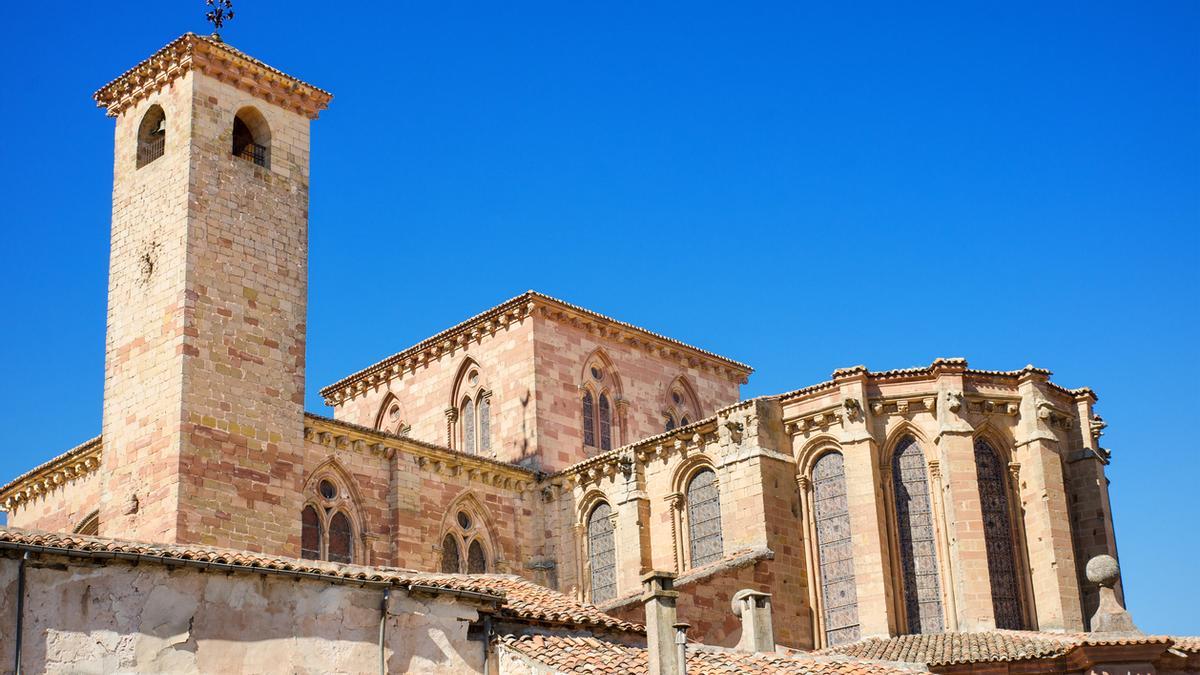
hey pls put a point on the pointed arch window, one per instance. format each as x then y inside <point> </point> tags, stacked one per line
<point>327,527</point>
<point>589,419</point>
<point>468,413</point>
<point>602,556</point>
<point>831,507</point>
<point>450,557</point>
<point>605,423</point>
<point>704,518</point>
<point>152,136</point>
<point>998,537</point>
<point>917,540</point>
<point>681,407</point>
<point>474,412</point>
<point>464,546</point>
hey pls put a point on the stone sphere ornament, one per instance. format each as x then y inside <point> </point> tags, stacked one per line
<point>1103,570</point>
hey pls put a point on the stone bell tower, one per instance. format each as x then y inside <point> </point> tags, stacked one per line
<point>204,360</point>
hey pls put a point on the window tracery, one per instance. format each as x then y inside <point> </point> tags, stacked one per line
<point>704,518</point>
<point>839,593</point>
<point>473,411</point>
<point>998,536</point>
<point>464,545</point>
<point>602,556</point>
<point>601,392</point>
<point>328,530</point>
<point>681,407</point>
<point>916,535</point>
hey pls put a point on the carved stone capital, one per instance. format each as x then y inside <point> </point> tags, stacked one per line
<point>804,483</point>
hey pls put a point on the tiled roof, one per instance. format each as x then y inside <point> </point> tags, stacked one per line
<point>74,463</point>
<point>602,657</point>
<point>516,598</point>
<point>947,649</point>
<point>191,50</point>
<point>510,305</point>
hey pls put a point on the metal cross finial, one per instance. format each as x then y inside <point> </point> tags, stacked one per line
<point>219,12</point>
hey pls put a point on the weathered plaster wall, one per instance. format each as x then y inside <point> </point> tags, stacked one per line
<point>82,617</point>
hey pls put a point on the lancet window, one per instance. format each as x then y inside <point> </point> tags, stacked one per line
<point>998,537</point>
<point>464,547</point>
<point>602,556</point>
<point>831,508</point>
<point>704,518</point>
<point>327,531</point>
<point>597,405</point>
<point>474,412</point>
<point>916,538</point>
<point>681,407</point>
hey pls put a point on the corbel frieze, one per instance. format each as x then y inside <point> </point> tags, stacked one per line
<point>991,405</point>
<point>59,472</point>
<point>821,420</point>
<point>904,406</point>
<point>1053,415</point>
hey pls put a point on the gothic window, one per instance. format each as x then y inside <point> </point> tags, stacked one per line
<point>310,534</point>
<point>601,396</point>
<point>476,561</point>
<point>252,137</point>
<point>340,538</point>
<point>391,418</point>
<point>90,525</point>
<point>835,552</point>
<point>681,405</point>
<point>485,423</point>
<point>450,558</point>
<point>327,529</point>
<point>916,537</point>
<point>704,518</point>
<point>602,556</point>
<point>998,537</point>
<point>605,423</point>
<point>474,411</point>
<point>589,419</point>
<point>468,415</point>
<point>152,136</point>
<point>463,547</point>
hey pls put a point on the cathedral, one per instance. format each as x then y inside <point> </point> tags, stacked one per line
<point>540,488</point>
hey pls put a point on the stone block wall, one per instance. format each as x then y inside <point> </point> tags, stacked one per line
<point>61,509</point>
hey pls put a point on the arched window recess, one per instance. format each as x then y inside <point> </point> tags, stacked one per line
<point>252,137</point>
<point>151,136</point>
<point>471,432</point>
<point>599,401</point>
<point>465,546</point>
<point>329,529</point>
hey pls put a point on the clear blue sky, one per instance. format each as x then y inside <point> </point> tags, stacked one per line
<point>800,188</point>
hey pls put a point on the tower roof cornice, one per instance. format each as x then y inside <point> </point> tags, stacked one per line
<point>215,59</point>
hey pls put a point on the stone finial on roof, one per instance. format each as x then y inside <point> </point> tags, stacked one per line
<point>1110,616</point>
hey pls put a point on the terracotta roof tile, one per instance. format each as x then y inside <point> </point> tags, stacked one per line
<point>516,598</point>
<point>947,649</point>
<point>601,657</point>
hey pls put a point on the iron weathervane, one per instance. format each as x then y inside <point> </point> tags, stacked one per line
<point>219,12</point>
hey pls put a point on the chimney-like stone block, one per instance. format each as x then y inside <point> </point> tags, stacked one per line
<point>754,609</point>
<point>660,598</point>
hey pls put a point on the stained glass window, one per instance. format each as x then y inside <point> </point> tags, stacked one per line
<point>605,423</point>
<point>835,550</point>
<point>468,413</point>
<point>918,543</point>
<point>340,538</point>
<point>602,553</point>
<point>704,518</point>
<point>476,560</point>
<point>485,424</point>
<point>589,420</point>
<point>310,534</point>
<point>450,561</point>
<point>998,537</point>
<point>670,422</point>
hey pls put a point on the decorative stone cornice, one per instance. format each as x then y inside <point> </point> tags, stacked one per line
<point>218,60</point>
<point>513,312</point>
<point>345,436</point>
<point>63,470</point>
<point>832,416</point>
<point>905,406</point>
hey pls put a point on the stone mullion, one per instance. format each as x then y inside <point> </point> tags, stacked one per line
<point>967,589</point>
<point>812,562</point>
<point>869,539</point>
<point>943,526</point>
